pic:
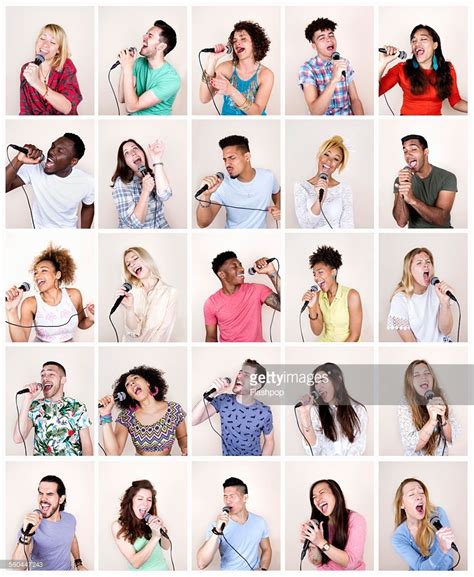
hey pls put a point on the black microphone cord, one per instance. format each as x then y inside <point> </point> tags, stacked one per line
<point>113,326</point>
<point>232,206</point>
<point>304,437</point>
<point>102,449</point>
<point>457,562</point>
<point>19,428</point>
<point>205,401</point>
<point>322,212</point>
<point>459,321</point>
<point>386,102</point>
<point>46,326</point>
<point>301,328</point>
<point>171,549</point>
<point>221,534</point>
<point>113,92</point>
<point>24,189</point>
<point>206,79</point>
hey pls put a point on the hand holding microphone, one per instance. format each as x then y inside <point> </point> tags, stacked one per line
<point>107,403</point>
<point>444,535</point>
<point>339,67</point>
<point>156,525</point>
<point>32,390</point>
<point>311,297</point>
<point>219,386</point>
<point>389,53</point>
<point>443,291</point>
<point>209,185</point>
<point>222,519</point>
<point>29,154</point>
<point>31,522</point>
<point>405,188</point>
<point>121,294</point>
<point>126,58</point>
<point>322,187</point>
<point>263,266</point>
<point>14,295</point>
<point>218,50</point>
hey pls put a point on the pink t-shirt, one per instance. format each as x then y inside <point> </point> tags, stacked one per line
<point>354,547</point>
<point>238,316</point>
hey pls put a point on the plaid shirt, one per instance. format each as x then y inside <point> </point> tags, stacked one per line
<point>63,81</point>
<point>126,197</point>
<point>318,72</point>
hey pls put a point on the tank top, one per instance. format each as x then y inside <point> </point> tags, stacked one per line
<point>155,562</point>
<point>247,88</point>
<point>55,315</point>
<point>335,315</point>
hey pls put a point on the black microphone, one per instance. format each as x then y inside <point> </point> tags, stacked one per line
<point>219,175</point>
<point>25,287</point>
<point>435,280</point>
<point>120,396</point>
<point>428,396</point>
<point>315,396</point>
<point>337,56</point>
<point>307,542</point>
<point>213,390</point>
<point>126,287</point>
<point>24,150</point>
<point>222,527</point>
<point>143,170</point>
<point>314,289</point>
<point>228,49</point>
<point>31,525</point>
<point>322,176</point>
<point>131,50</point>
<point>27,390</point>
<point>252,270</point>
<point>436,522</point>
<point>39,59</point>
<point>148,516</point>
<point>401,53</point>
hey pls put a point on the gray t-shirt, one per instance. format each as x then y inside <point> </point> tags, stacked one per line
<point>427,190</point>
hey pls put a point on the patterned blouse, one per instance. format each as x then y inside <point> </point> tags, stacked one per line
<point>57,425</point>
<point>337,206</point>
<point>156,437</point>
<point>63,81</point>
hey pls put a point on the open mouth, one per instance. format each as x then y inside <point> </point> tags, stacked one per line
<point>40,283</point>
<point>137,390</point>
<point>47,388</point>
<point>45,508</point>
<point>138,271</point>
<point>240,49</point>
<point>412,163</point>
<point>419,52</point>
<point>426,277</point>
<point>323,507</point>
<point>420,509</point>
<point>49,161</point>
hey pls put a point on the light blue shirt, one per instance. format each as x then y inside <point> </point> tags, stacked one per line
<point>256,194</point>
<point>404,544</point>
<point>246,539</point>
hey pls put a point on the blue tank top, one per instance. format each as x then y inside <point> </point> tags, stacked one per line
<point>247,88</point>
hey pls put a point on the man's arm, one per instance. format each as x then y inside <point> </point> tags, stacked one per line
<point>25,424</point>
<point>319,103</point>
<point>87,215</point>
<point>211,334</point>
<point>400,210</point>
<point>268,445</point>
<point>273,300</point>
<point>356,103</point>
<point>12,180</point>
<point>266,553</point>
<point>76,554</point>
<point>437,214</point>
<point>199,414</point>
<point>206,552</point>
<point>86,442</point>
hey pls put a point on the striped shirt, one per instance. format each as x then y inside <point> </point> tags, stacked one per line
<point>126,196</point>
<point>318,72</point>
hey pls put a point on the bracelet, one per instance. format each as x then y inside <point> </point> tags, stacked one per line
<point>206,77</point>
<point>158,164</point>
<point>24,540</point>
<point>246,104</point>
<point>313,318</point>
<point>274,274</point>
<point>78,562</point>
<point>46,91</point>
<point>207,205</point>
<point>105,419</point>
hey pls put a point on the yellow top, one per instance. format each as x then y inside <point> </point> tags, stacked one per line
<point>335,316</point>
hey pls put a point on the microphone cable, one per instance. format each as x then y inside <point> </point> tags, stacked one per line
<point>166,536</point>
<point>322,212</point>
<point>274,310</point>
<point>459,321</point>
<point>302,433</point>
<point>221,534</point>
<point>386,102</point>
<point>113,92</point>
<point>23,187</point>
<point>19,428</point>
<point>238,207</point>
<point>115,330</point>
<point>206,402</point>
<point>46,326</point>
<point>206,79</point>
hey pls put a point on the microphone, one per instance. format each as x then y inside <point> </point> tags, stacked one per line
<point>322,176</point>
<point>436,522</point>
<point>337,56</point>
<point>429,395</point>
<point>148,516</point>
<point>435,280</point>
<point>27,390</point>
<point>126,287</point>
<point>30,525</point>
<point>314,289</point>
<point>120,396</point>
<point>222,527</point>
<point>25,287</point>
<point>253,270</point>
<point>315,396</point>
<point>307,542</point>
<point>39,59</point>
<point>401,53</point>
<point>219,175</point>
<point>131,50</point>
<point>228,49</point>
<point>213,390</point>
<point>142,169</point>
<point>25,151</point>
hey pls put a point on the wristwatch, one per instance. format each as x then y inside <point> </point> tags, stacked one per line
<point>325,547</point>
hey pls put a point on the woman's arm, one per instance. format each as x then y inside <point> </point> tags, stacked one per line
<point>114,438</point>
<point>347,216</point>
<point>182,438</point>
<point>19,334</point>
<point>86,321</point>
<point>265,79</point>
<point>135,558</point>
<point>445,319</point>
<point>205,88</point>
<point>355,316</point>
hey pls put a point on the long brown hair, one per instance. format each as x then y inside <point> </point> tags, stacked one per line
<point>417,403</point>
<point>426,534</point>
<point>131,527</point>
<point>345,415</point>
<point>122,170</point>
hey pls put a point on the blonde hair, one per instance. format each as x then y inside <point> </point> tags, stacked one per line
<point>419,412</point>
<point>146,258</point>
<point>335,142</point>
<point>426,533</point>
<point>61,38</point>
<point>406,285</point>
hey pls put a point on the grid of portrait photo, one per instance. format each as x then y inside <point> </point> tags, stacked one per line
<point>237,248</point>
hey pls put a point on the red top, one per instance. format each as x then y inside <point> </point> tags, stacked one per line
<point>426,103</point>
<point>63,81</point>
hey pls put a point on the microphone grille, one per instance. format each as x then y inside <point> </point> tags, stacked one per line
<point>315,288</point>
<point>147,517</point>
<point>336,56</point>
<point>142,169</point>
<point>25,286</point>
<point>434,280</point>
<point>120,396</point>
<point>229,48</point>
<point>40,59</point>
<point>228,379</point>
<point>226,509</point>
<point>429,395</point>
<point>402,55</point>
<point>323,176</point>
<point>127,286</point>
<point>220,175</point>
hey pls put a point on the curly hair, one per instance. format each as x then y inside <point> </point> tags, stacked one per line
<point>235,140</point>
<point>154,377</point>
<point>328,256</point>
<point>62,261</point>
<point>442,76</point>
<point>131,528</point>
<point>319,24</point>
<point>260,40</point>
<point>221,258</point>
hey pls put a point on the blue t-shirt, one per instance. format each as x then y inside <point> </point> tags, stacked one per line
<point>254,194</point>
<point>246,539</point>
<point>242,425</point>
<point>405,545</point>
<point>52,544</point>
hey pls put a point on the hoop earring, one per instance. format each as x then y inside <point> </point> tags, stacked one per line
<point>435,63</point>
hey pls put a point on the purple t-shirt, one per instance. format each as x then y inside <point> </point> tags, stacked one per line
<point>242,425</point>
<point>239,315</point>
<point>52,544</point>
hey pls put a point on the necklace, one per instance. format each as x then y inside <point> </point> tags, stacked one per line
<point>45,76</point>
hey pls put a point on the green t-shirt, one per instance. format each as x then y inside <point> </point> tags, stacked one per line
<point>427,190</point>
<point>155,562</point>
<point>164,82</point>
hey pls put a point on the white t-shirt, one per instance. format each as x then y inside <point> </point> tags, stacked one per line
<point>57,199</point>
